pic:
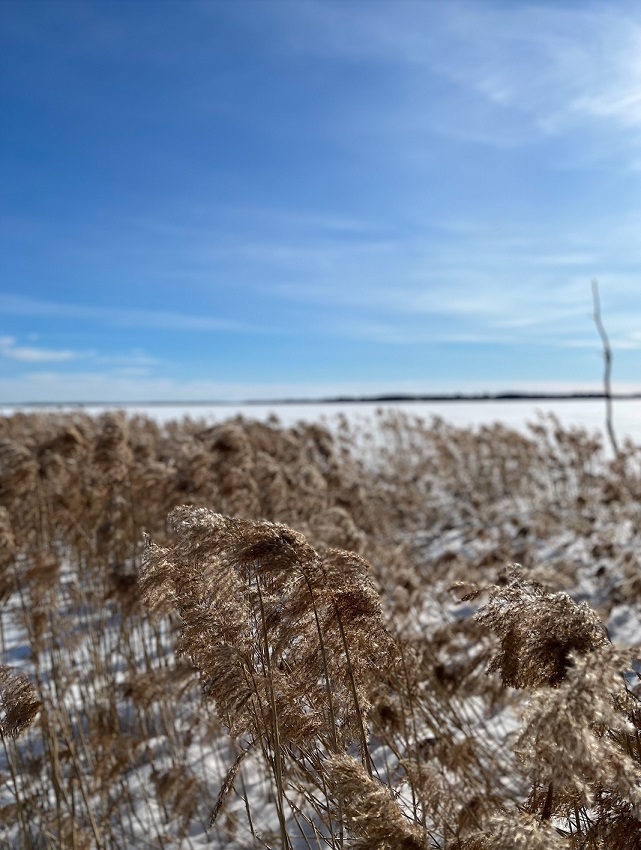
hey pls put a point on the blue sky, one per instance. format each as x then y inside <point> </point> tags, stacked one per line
<point>254,198</point>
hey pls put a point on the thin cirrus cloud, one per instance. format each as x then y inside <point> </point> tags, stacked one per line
<point>34,354</point>
<point>555,68</point>
<point>505,76</point>
<point>136,361</point>
<point>565,68</point>
<point>151,319</point>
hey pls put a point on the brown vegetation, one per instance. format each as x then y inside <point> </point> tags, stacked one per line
<point>246,635</point>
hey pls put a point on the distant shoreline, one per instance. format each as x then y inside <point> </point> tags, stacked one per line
<point>348,399</point>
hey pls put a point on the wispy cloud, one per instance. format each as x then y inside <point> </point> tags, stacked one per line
<point>564,68</point>
<point>483,283</point>
<point>496,73</point>
<point>135,362</point>
<point>33,354</point>
<point>18,305</point>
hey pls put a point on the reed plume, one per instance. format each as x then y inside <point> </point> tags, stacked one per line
<point>574,736</point>
<point>271,625</point>
<point>18,703</point>
<point>510,831</point>
<point>333,723</point>
<point>538,631</point>
<point>370,811</point>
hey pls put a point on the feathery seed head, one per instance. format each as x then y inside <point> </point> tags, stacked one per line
<point>18,703</point>
<point>370,811</point>
<point>538,631</point>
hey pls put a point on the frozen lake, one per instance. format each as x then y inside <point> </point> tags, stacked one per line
<point>589,414</point>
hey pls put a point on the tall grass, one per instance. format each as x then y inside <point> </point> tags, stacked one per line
<point>254,636</point>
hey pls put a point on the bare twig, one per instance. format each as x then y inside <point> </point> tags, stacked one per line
<point>607,357</point>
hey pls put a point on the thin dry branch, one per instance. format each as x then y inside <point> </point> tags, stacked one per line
<point>607,357</point>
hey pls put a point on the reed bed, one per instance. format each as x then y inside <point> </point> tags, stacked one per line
<point>399,635</point>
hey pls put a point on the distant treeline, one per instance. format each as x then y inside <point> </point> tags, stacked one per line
<point>343,399</point>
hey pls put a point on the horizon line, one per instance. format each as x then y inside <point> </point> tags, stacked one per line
<point>344,399</point>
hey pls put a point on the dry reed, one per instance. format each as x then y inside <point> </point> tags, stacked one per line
<point>305,675</point>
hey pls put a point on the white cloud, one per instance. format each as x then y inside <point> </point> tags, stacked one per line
<point>31,354</point>
<point>136,362</point>
<point>18,305</point>
<point>509,73</point>
<point>562,66</point>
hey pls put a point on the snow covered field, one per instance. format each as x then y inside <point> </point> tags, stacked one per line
<point>515,414</point>
<point>138,756</point>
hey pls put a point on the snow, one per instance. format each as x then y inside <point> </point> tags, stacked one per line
<point>589,414</point>
<point>210,764</point>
